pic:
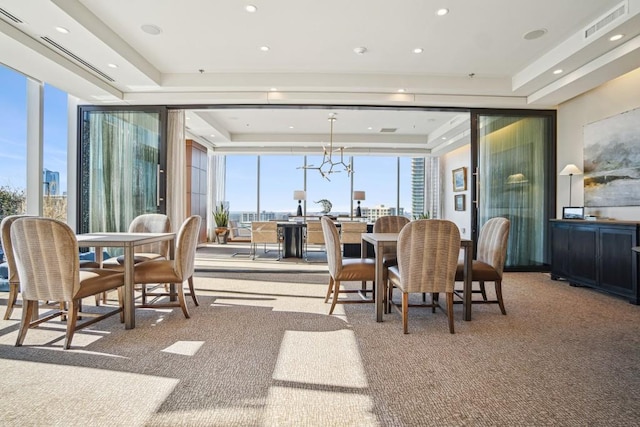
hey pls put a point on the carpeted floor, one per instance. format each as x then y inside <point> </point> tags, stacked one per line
<point>260,350</point>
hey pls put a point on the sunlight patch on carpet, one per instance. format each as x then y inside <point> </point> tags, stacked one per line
<point>185,348</point>
<point>317,363</point>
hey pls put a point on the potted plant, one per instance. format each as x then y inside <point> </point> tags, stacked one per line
<point>221,217</point>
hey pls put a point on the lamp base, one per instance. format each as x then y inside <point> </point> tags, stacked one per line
<point>358,212</point>
<point>299,213</point>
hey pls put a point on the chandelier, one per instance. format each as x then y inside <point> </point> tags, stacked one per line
<point>328,165</point>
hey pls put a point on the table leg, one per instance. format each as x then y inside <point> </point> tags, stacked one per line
<point>379,286</point>
<point>129,308</point>
<point>467,283</point>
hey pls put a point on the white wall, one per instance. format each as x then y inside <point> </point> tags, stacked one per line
<point>609,99</point>
<point>455,159</point>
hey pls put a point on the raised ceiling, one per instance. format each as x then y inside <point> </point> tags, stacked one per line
<point>209,53</point>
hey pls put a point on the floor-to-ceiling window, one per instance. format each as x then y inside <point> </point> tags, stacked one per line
<point>54,154</point>
<point>241,190</point>
<point>13,140</point>
<point>280,176</point>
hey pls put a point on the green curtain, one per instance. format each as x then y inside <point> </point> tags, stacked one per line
<point>123,159</point>
<point>512,182</point>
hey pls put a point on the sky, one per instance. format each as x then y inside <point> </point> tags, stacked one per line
<point>13,130</point>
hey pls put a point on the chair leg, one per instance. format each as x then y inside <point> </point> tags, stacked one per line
<point>450,310</point>
<point>28,308</point>
<point>389,296</point>
<point>182,301</point>
<point>13,297</point>
<point>405,312</point>
<point>435,298</point>
<point>499,296</point>
<point>336,291</point>
<point>193,292</point>
<point>483,291</point>
<point>74,307</point>
<point>329,290</point>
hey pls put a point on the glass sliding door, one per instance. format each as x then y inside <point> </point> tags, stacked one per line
<point>514,166</point>
<point>122,159</point>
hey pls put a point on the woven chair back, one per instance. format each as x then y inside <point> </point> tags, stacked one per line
<point>428,251</point>
<point>46,255</point>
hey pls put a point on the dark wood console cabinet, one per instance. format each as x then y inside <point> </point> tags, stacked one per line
<point>597,254</point>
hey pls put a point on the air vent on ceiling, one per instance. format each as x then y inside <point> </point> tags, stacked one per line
<point>10,16</point>
<point>76,58</point>
<point>604,21</point>
<point>388,130</point>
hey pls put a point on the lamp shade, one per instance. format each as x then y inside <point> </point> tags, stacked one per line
<point>570,169</point>
<point>299,195</point>
<point>358,195</point>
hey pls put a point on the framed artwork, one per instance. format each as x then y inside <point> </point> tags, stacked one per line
<point>611,161</point>
<point>459,202</point>
<point>459,179</point>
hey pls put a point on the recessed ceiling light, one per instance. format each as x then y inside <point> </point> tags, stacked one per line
<point>535,34</point>
<point>444,137</point>
<point>360,50</point>
<point>558,71</point>
<point>154,30</point>
<point>402,90</point>
<point>616,37</point>
<point>264,48</point>
<point>273,89</point>
<point>418,50</point>
<point>290,127</point>
<point>442,12</point>
<point>62,30</point>
<point>250,8</point>
<point>370,128</point>
<point>213,135</point>
<point>112,66</point>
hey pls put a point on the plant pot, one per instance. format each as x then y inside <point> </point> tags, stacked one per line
<point>222,235</point>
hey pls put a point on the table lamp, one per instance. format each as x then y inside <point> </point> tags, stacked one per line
<point>299,195</point>
<point>358,195</point>
<point>570,170</point>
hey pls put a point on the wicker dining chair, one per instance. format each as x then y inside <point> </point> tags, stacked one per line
<point>60,278</point>
<point>389,224</point>
<point>490,259</point>
<point>157,251</point>
<point>146,223</point>
<point>344,270</point>
<point>428,251</point>
<point>264,232</point>
<point>174,271</point>
<point>7,248</point>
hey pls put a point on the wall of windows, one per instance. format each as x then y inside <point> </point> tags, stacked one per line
<point>14,108</point>
<point>262,187</point>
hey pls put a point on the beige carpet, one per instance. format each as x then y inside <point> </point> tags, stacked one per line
<point>261,351</point>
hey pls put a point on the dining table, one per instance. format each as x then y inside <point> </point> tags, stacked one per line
<point>127,241</point>
<point>383,240</point>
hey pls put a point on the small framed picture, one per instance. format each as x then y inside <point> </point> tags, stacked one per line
<point>459,179</point>
<point>459,202</point>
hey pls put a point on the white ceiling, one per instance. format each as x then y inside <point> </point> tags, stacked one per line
<point>208,54</point>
